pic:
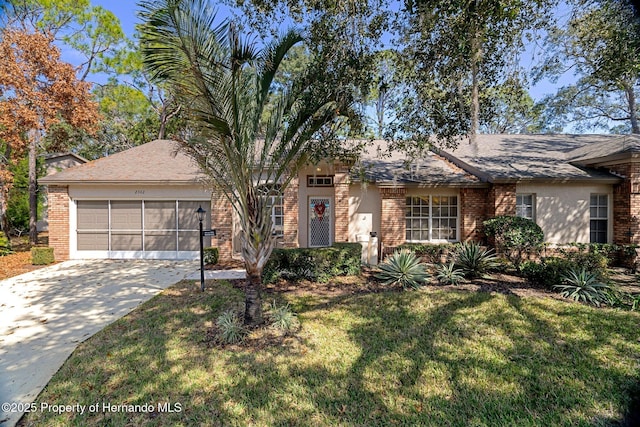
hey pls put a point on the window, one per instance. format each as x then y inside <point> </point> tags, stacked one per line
<point>599,215</point>
<point>319,181</point>
<point>431,218</point>
<point>525,206</point>
<point>277,214</point>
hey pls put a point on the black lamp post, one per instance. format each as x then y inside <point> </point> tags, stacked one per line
<point>200,212</point>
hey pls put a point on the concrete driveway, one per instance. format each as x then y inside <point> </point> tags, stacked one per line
<point>46,313</point>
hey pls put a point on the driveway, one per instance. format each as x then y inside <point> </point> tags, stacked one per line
<point>46,313</point>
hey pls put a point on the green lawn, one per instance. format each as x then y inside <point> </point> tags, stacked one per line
<point>427,357</point>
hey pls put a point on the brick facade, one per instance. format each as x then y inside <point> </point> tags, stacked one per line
<point>58,212</point>
<point>626,204</point>
<point>221,220</point>
<point>341,197</point>
<point>291,214</point>
<point>392,221</point>
<point>473,211</point>
<point>502,200</point>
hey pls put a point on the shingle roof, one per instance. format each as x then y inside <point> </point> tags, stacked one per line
<point>511,158</point>
<point>154,162</point>
<point>382,167</point>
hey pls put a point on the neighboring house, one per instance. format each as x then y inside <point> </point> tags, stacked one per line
<point>142,202</point>
<point>56,162</point>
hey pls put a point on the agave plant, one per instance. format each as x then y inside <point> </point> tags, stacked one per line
<point>474,260</point>
<point>448,274</point>
<point>403,268</point>
<point>582,285</point>
<point>231,327</point>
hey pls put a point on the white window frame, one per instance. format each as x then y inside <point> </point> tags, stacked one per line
<point>428,198</point>
<point>599,208</point>
<point>277,201</point>
<point>522,206</point>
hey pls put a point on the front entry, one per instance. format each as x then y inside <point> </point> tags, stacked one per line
<point>320,215</point>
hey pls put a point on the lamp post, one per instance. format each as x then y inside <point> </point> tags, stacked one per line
<point>200,212</point>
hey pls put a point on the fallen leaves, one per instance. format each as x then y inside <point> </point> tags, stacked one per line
<point>15,264</point>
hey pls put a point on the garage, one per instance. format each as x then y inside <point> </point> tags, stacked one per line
<point>149,229</point>
<point>139,203</point>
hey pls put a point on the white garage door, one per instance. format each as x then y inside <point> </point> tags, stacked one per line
<point>157,229</point>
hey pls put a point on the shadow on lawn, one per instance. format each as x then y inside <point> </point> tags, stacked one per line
<point>413,358</point>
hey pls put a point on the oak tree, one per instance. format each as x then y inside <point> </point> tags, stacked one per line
<point>37,90</point>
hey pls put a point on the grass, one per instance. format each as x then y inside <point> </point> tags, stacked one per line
<point>429,357</point>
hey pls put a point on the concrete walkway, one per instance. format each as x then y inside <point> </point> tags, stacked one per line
<point>46,313</point>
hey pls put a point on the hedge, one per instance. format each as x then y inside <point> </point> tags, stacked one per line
<point>317,264</point>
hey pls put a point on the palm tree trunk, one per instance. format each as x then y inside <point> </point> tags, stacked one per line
<point>253,296</point>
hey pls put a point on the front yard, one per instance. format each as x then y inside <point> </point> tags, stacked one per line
<point>362,356</point>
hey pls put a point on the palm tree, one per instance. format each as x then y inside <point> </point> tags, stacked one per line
<point>223,84</point>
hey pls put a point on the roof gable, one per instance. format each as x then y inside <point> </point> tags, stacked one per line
<point>158,161</point>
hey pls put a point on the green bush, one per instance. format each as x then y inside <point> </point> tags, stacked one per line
<point>515,237</point>
<point>403,268</point>
<point>474,260</point>
<point>431,253</point>
<point>548,272</point>
<point>5,244</point>
<point>210,256</point>
<point>42,256</point>
<point>592,259</point>
<point>318,264</point>
<point>583,285</point>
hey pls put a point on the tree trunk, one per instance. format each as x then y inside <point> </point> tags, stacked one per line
<point>253,297</point>
<point>476,58</point>
<point>633,108</point>
<point>33,187</point>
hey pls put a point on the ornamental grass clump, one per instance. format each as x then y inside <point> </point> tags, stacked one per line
<point>403,268</point>
<point>474,260</point>
<point>583,285</point>
<point>231,327</point>
<point>282,317</point>
<point>448,274</point>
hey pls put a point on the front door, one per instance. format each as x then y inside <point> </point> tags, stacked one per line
<point>320,214</point>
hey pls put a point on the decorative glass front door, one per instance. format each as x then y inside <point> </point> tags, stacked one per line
<point>319,221</point>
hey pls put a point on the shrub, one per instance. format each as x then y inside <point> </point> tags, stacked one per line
<point>231,327</point>
<point>5,244</point>
<point>593,261</point>
<point>319,264</point>
<point>582,285</point>
<point>473,259</point>
<point>448,274</point>
<point>548,272</point>
<point>514,236</point>
<point>432,253</point>
<point>635,302</point>
<point>211,255</point>
<point>42,256</point>
<point>282,317</point>
<point>403,268</point>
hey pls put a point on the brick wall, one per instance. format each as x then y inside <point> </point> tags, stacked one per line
<point>58,212</point>
<point>626,204</point>
<point>502,200</point>
<point>290,206</point>
<point>392,221</point>
<point>341,197</point>
<point>473,206</point>
<point>221,221</point>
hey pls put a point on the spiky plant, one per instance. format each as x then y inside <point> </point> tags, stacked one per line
<point>403,268</point>
<point>282,317</point>
<point>231,327</point>
<point>448,274</point>
<point>474,260</point>
<point>582,285</point>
